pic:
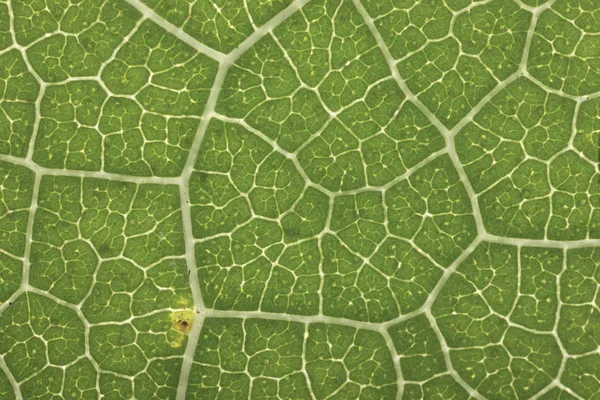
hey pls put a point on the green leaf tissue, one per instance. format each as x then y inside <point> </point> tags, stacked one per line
<point>299,199</point>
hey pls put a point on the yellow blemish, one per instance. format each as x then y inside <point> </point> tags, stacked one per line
<point>177,339</point>
<point>184,302</point>
<point>182,322</point>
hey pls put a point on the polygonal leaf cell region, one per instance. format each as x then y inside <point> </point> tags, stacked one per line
<point>220,24</point>
<point>16,188</point>
<point>19,90</point>
<point>510,315</point>
<point>137,117</point>
<point>531,157</point>
<point>268,241</point>
<point>258,358</point>
<point>121,94</point>
<point>299,199</point>
<point>564,51</point>
<point>107,258</point>
<point>452,54</point>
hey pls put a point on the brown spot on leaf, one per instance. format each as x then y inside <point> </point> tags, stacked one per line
<point>183,320</point>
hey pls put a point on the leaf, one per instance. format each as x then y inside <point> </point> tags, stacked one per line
<point>299,199</point>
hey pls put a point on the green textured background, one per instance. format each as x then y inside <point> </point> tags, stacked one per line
<point>310,199</point>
